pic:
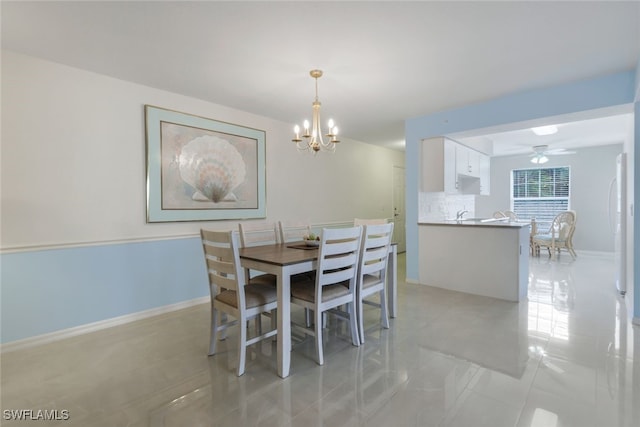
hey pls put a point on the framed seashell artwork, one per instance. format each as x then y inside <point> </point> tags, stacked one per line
<point>201,169</point>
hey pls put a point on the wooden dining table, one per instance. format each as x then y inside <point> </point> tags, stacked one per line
<point>286,259</point>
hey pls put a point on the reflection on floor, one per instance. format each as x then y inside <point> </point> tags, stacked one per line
<point>567,357</point>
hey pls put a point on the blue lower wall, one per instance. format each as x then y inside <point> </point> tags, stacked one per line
<point>51,290</point>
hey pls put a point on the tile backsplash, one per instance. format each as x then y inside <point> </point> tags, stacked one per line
<point>440,206</point>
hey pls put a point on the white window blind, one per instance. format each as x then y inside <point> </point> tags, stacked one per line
<point>540,193</point>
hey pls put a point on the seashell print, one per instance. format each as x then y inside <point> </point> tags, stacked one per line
<point>213,167</point>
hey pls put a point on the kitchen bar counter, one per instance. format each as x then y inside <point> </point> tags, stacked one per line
<point>481,258</point>
<point>500,223</point>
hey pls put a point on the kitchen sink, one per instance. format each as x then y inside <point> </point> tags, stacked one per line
<point>484,219</point>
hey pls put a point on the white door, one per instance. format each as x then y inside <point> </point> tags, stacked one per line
<point>399,218</point>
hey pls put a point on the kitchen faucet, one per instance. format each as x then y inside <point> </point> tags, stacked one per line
<point>460,214</point>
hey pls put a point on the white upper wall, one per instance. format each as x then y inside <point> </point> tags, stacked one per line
<point>73,161</point>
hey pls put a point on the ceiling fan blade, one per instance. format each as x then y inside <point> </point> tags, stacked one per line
<point>564,153</point>
<point>559,152</point>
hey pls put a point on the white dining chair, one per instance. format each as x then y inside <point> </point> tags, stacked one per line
<point>334,287</point>
<point>296,231</point>
<point>256,234</point>
<point>293,231</point>
<point>231,295</point>
<point>372,272</point>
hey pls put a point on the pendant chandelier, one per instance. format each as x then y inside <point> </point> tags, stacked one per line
<point>312,137</point>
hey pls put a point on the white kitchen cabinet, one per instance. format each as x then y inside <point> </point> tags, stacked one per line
<point>450,178</point>
<point>437,166</point>
<point>453,168</point>
<point>485,174</point>
<point>467,161</point>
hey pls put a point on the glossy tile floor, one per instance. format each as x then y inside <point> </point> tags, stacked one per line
<point>567,357</point>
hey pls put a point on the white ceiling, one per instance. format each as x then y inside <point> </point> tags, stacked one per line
<point>384,62</point>
<point>611,129</point>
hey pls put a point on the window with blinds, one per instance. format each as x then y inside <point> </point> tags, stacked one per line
<point>540,193</point>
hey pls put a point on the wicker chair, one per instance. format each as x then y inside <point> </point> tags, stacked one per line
<point>559,236</point>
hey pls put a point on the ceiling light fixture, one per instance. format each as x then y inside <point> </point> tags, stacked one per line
<point>313,137</point>
<point>539,159</point>
<point>545,130</point>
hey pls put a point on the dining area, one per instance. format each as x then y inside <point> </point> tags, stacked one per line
<point>285,282</point>
<point>554,234</point>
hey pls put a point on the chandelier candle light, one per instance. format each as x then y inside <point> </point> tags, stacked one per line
<point>313,137</point>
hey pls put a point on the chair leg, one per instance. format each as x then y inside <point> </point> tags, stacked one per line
<point>384,310</point>
<point>353,324</point>
<point>223,319</point>
<point>242,345</point>
<point>214,328</point>
<point>307,317</point>
<point>274,320</point>
<point>318,329</point>
<point>360,317</point>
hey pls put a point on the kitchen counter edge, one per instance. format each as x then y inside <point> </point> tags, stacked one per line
<point>476,224</point>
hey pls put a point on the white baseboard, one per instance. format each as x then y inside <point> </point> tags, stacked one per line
<point>594,253</point>
<point>96,326</point>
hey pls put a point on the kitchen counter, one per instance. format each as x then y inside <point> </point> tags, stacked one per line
<point>482,258</point>
<point>490,222</point>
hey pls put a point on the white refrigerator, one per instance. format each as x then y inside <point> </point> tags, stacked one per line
<point>618,220</point>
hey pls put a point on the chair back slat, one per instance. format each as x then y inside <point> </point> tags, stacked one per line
<point>222,282</point>
<point>219,266</point>
<point>338,256</point>
<point>223,261</point>
<point>374,261</point>
<point>293,231</point>
<point>377,241</point>
<point>260,233</point>
<point>338,276</point>
<point>340,261</point>
<point>374,253</point>
<point>337,247</point>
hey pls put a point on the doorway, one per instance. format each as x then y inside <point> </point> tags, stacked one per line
<point>399,218</point>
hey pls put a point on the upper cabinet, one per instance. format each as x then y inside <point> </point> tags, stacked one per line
<point>467,161</point>
<point>453,168</point>
<point>485,174</point>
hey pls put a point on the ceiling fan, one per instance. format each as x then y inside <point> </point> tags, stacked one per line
<point>540,153</point>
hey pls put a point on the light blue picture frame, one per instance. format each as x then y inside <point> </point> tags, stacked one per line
<point>200,169</point>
